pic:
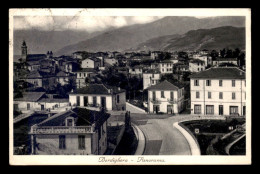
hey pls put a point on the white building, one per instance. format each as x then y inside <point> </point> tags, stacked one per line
<point>196,65</point>
<point>91,63</point>
<point>73,132</point>
<point>165,98</point>
<point>82,75</point>
<point>218,91</point>
<point>98,96</point>
<point>136,71</point>
<point>151,77</point>
<point>220,61</point>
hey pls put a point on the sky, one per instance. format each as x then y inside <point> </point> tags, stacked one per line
<point>89,23</point>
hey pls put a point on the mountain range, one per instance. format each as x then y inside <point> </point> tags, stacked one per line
<point>165,33</point>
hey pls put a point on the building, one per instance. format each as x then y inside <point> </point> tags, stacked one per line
<point>166,67</point>
<point>136,71</point>
<point>38,101</point>
<point>75,132</point>
<point>98,97</point>
<point>151,77</point>
<point>156,55</point>
<point>91,63</point>
<point>196,65</point>
<point>111,61</point>
<point>82,74</point>
<point>220,61</point>
<point>165,98</point>
<point>64,77</point>
<point>218,91</point>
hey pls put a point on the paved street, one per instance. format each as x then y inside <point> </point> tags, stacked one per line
<point>161,137</point>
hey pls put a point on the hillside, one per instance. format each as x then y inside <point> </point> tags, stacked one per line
<point>129,37</point>
<point>216,38</point>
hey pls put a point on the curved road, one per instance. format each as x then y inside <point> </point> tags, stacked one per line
<point>161,137</point>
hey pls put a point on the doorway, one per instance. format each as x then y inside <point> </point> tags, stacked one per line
<point>220,109</point>
<point>156,109</point>
<point>169,109</point>
<point>42,107</point>
<point>103,102</point>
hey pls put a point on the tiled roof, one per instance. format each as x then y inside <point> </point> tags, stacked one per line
<point>196,61</point>
<point>226,59</point>
<point>220,73</point>
<point>97,89</point>
<point>33,63</point>
<point>165,85</point>
<point>37,74</point>
<point>54,100</point>
<point>32,57</point>
<point>83,117</point>
<point>152,71</point>
<point>30,96</point>
<point>86,70</point>
<point>63,74</point>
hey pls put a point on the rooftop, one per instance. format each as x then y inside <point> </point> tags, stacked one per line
<point>100,89</point>
<point>196,61</point>
<point>220,73</point>
<point>226,59</point>
<point>165,85</point>
<point>83,117</point>
<point>30,96</point>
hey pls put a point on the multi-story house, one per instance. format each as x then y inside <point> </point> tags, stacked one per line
<point>82,74</point>
<point>165,67</point>
<point>64,77</point>
<point>196,65</point>
<point>74,132</point>
<point>91,63</point>
<point>218,91</point>
<point>151,77</point>
<point>98,97</point>
<point>39,101</point>
<point>136,71</point>
<point>220,61</point>
<point>165,98</point>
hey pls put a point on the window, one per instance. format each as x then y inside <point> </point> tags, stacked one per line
<point>79,74</point>
<point>233,95</point>
<point>69,122</point>
<point>220,82</point>
<point>172,97</point>
<point>85,100</point>
<point>209,109</point>
<point>78,101</point>
<point>233,83</point>
<point>152,75</point>
<point>117,98</point>
<point>198,69</point>
<point>154,96</point>
<point>220,95</point>
<point>196,82</point>
<point>209,94</point>
<point>62,142</point>
<point>197,94</point>
<point>233,110</point>
<point>208,83</point>
<point>81,139</point>
<point>197,109</point>
<point>162,94</point>
<point>94,101</point>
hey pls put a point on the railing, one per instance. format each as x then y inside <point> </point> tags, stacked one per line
<point>61,129</point>
<point>155,101</point>
<point>172,101</point>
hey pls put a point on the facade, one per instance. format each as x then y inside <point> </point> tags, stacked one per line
<point>38,101</point>
<point>220,61</point>
<point>165,98</point>
<point>196,65</point>
<point>98,97</point>
<point>218,91</point>
<point>64,77</point>
<point>151,77</point>
<point>91,63</point>
<point>136,71</point>
<point>74,132</point>
<point>166,67</point>
<point>82,75</point>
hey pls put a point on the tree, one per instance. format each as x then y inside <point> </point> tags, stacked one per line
<point>229,53</point>
<point>214,54</point>
<point>236,52</point>
<point>183,54</point>
<point>223,52</point>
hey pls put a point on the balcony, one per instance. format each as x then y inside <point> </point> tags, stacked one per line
<point>61,129</point>
<point>155,101</point>
<point>172,101</point>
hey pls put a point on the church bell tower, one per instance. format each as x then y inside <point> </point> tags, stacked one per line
<point>24,51</point>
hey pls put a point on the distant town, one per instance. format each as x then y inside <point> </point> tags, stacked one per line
<point>130,103</point>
